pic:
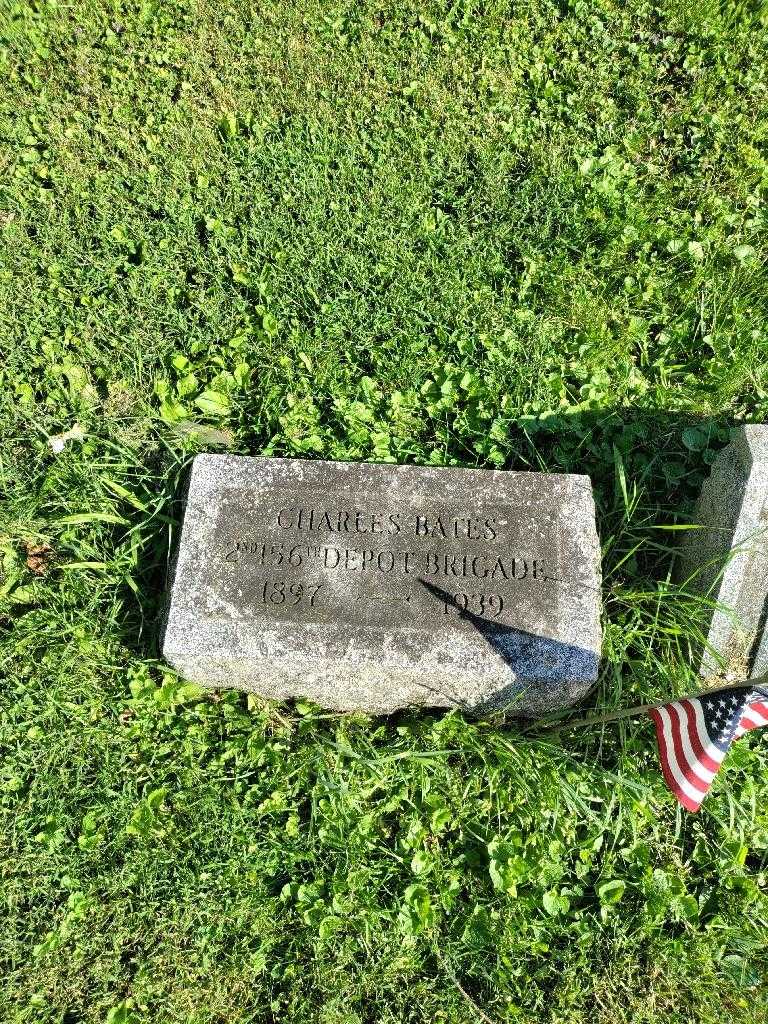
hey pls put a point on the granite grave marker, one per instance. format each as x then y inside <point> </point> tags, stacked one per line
<point>726,557</point>
<point>375,587</point>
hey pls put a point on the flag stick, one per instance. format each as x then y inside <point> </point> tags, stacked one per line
<point>641,709</point>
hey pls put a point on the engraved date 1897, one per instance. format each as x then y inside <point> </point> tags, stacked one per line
<point>290,592</point>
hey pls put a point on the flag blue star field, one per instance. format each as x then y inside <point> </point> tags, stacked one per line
<point>695,734</point>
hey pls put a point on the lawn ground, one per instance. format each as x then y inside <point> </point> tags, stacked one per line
<point>526,235</point>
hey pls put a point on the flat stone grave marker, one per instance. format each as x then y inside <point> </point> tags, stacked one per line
<point>726,557</point>
<point>376,587</point>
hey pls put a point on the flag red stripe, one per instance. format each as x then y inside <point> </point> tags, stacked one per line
<point>669,777</point>
<point>755,715</point>
<point>750,721</point>
<point>695,740</point>
<point>688,771</point>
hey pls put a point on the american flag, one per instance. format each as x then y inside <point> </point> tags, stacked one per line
<point>696,733</point>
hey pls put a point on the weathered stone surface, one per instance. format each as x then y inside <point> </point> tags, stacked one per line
<point>378,587</point>
<point>727,558</point>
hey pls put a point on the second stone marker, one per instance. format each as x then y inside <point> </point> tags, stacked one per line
<point>725,556</point>
<point>377,587</point>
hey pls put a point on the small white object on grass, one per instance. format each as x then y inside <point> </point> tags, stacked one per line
<point>58,442</point>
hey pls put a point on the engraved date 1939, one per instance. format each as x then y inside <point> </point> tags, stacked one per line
<point>479,604</point>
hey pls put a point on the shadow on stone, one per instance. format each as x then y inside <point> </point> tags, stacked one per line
<point>549,666</point>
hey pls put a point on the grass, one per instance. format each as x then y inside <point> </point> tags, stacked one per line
<point>520,236</point>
